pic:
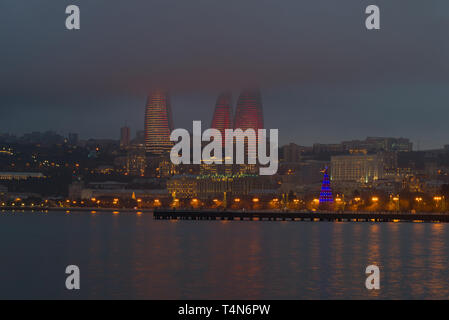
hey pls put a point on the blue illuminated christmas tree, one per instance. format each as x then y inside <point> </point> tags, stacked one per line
<point>326,199</point>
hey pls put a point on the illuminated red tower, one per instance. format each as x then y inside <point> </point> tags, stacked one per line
<point>222,118</point>
<point>249,111</point>
<point>158,123</point>
<point>248,114</point>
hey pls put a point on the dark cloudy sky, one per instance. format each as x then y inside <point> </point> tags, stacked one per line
<point>323,76</point>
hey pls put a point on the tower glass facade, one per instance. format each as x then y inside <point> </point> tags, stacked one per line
<point>158,123</point>
<point>222,118</point>
<point>249,115</point>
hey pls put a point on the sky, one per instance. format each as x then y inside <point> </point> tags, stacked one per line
<point>323,76</point>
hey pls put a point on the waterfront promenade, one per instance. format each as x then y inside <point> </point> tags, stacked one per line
<point>254,215</point>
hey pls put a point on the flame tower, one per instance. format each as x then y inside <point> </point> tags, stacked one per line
<point>249,115</point>
<point>249,111</point>
<point>222,118</point>
<point>158,123</point>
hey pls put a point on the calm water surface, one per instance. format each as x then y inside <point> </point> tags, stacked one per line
<point>130,256</point>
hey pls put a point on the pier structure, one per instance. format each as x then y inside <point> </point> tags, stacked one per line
<point>161,214</point>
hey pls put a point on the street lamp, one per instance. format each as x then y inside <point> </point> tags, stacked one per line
<point>439,202</point>
<point>396,200</point>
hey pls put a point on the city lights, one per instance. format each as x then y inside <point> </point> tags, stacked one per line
<point>354,171</point>
<point>241,153</point>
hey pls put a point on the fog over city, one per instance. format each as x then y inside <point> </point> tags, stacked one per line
<point>323,76</point>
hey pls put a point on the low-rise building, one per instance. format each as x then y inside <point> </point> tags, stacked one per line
<point>20,175</point>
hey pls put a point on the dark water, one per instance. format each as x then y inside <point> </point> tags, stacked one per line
<point>133,256</point>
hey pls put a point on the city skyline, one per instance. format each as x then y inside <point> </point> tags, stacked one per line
<point>248,114</point>
<point>433,139</point>
<point>202,151</point>
<point>159,119</point>
<point>323,77</point>
<point>222,114</point>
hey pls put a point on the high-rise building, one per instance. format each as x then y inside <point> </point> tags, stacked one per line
<point>249,111</point>
<point>158,123</point>
<point>249,115</point>
<point>222,118</point>
<point>125,136</point>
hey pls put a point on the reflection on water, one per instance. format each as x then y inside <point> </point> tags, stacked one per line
<point>129,255</point>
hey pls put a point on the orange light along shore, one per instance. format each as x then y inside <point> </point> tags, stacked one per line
<point>76,209</point>
<point>254,215</point>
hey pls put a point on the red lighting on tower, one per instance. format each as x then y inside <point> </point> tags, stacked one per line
<point>222,118</point>
<point>249,113</point>
<point>158,123</point>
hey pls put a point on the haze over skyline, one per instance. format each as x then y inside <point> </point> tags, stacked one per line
<point>323,76</point>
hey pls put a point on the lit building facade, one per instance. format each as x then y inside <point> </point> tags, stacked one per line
<point>183,186</point>
<point>158,123</point>
<point>222,118</point>
<point>21,175</point>
<point>205,187</point>
<point>357,168</point>
<point>249,115</point>
<point>166,169</point>
<point>135,161</point>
